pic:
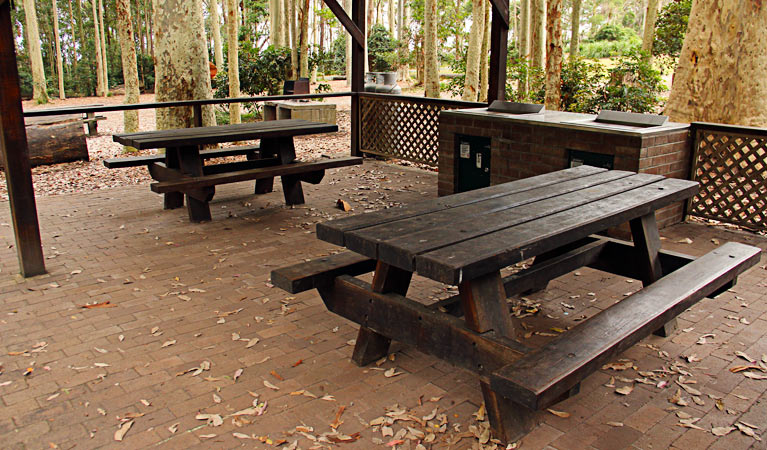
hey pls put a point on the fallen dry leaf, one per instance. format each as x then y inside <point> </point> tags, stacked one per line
<point>271,386</point>
<point>625,390</point>
<point>276,375</point>
<point>337,422</point>
<point>392,373</point>
<point>237,374</point>
<point>615,424</point>
<point>173,428</point>
<point>562,414</point>
<point>745,356</point>
<point>120,433</point>
<point>168,343</point>
<point>343,205</point>
<point>721,431</point>
<point>106,304</point>
<point>214,420</point>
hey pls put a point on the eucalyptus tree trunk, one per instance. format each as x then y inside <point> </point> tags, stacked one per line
<point>317,29</point>
<point>348,8</point>
<point>181,63</point>
<point>553,54</point>
<point>39,89</point>
<point>303,37</point>
<point>130,70</point>
<point>215,28</point>
<point>575,29</point>
<point>292,16</point>
<point>403,35</point>
<point>274,22</point>
<point>649,27</point>
<point>720,74</point>
<point>59,60</point>
<point>233,58</point>
<point>285,23</point>
<point>391,9</point>
<point>73,28</point>
<point>149,11</point>
<point>431,62</point>
<point>484,63</point>
<point>524,43</point>
<point>104,60</point>
<point>471,81</point>
<point>100,89</point>
<point>538,33</point>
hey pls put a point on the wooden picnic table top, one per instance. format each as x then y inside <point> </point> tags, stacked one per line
<point>463,236</point>
<point>223,133</point>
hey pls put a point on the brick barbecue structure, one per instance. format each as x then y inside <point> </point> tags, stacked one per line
<point>524,145</point>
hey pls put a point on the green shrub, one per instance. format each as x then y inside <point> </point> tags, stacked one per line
<point>381,50</point>
<point>612,32</point>
<point>608,49</point>
<point>671,28</point>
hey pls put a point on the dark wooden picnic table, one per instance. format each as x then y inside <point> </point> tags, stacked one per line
<point>466,240</point>
<point>182,172</point>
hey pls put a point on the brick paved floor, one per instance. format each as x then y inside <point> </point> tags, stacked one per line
<point>186,294</point>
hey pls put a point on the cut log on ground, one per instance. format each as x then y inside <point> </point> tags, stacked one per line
<point>51,143</point>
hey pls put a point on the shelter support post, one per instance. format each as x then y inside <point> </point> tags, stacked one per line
<point>499,34</point>
<point>358,75</point>
<point>15,154</point>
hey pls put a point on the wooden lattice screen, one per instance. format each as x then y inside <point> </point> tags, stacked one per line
<point>730,163</point>
<point>403,127</point>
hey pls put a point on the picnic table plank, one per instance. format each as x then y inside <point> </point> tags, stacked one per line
<point>482,217</point>
<point>225,133</point>
<point>403,250</point>
<point>489,252</point>
<point>334,231</point>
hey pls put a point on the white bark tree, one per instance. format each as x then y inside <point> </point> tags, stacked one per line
<point>348,8</point>
<point>484,63</point>
<point>39,89</point>
<point>303,37</point>
<point>538,33</point>
<point>575,29</point>
<point>471,82</point>
<point>233,58</point>
<point>215,29</point>
<point>431,62</point>
<point>181,66</point>
<point>104,59</point>
<point>130,68</point>
<point>649,26</point>
<point>101,90</point>
<point>553,54</point>
<point>720,74</point>
<point>59,59</point>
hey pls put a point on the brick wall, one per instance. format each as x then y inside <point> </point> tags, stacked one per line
<point>521,150</point>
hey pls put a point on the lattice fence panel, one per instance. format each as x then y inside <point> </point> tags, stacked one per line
<point>732,171</point>
<point>404,129</point>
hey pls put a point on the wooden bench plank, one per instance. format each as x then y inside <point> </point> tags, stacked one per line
<point>253,174</point>
<point>321,271</point>
<point>426,232</point>
<point>469,259</point>
<point>541,376</point>
<point>135,161</point>
<point>334,231</point>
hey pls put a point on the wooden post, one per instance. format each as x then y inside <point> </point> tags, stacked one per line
<point>358,74</point>
<point>13,145</point>
<point>499,34</point>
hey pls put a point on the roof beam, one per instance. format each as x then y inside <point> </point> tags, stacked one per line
<point>350,26</point>
<point>502,7</point>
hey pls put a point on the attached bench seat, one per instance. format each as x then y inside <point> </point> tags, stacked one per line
<point>305,171</point>
<point>545,375</point>
<point>135,161</point>
<point>320,272</point>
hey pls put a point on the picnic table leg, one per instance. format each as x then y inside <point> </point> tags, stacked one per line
<point>93,125</point>
<point>644,231</point>
<point>485,308</point>
<point>263,185</point>
<point>370,345</point>
<point>291,187</point>
<point>197,200</point>
<point>172,200</point>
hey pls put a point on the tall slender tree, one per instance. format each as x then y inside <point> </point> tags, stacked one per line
<point>215,29</point>
<point>39,89</point>
<point>101,90</point>
<point>524,42</point>
<point>431,61</point>
<point>292,15</point>
<point>59,59</point>
<point>553,54</point>
<point>575,29</point>
<point>649,27</point>
<point>130,69</point>
<point>538,33</point>
<point>232,27</point>
<point>721,36</point>
<point>303,37</point>
<point>104,56</point>
<point>484,63</point>
<point>72,36</point>
<point>348,8</point>
<point>471,83</point>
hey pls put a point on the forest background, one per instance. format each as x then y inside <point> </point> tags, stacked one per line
<point>608,54</point>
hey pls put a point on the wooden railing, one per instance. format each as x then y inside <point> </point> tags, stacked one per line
<point>403,127</point>
<point>730,163</point>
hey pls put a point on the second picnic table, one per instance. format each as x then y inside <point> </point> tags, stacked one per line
<point>466,240</point>
<point>181,170</point>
